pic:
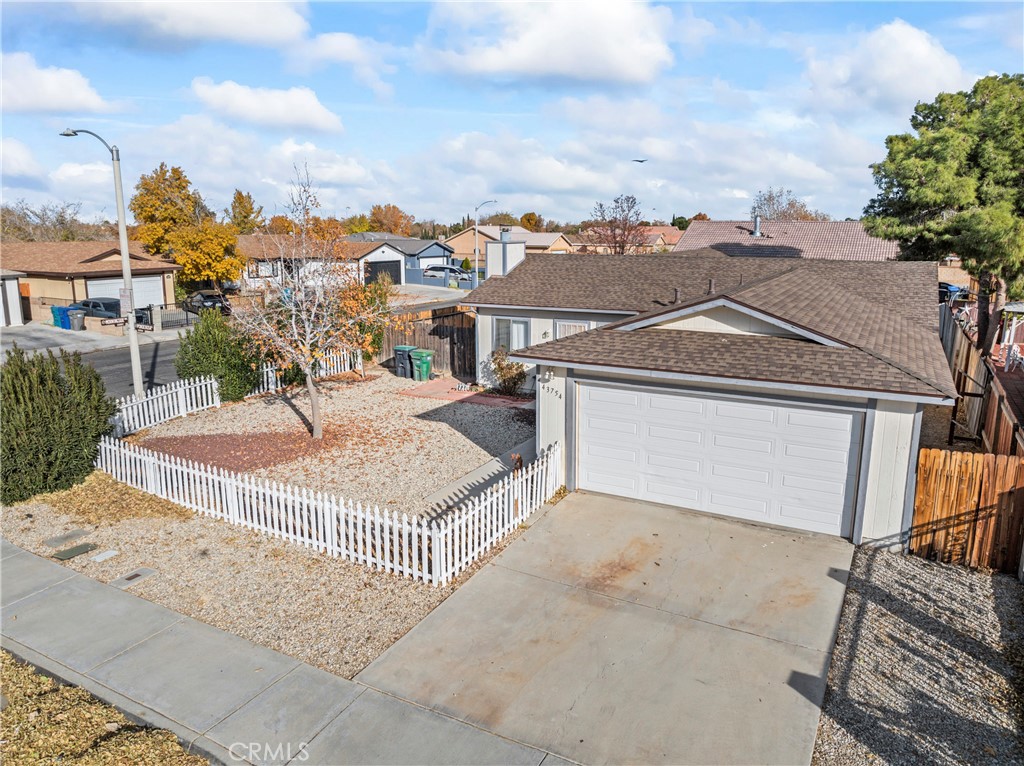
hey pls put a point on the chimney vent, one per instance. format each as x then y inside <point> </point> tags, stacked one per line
<point>505,235</point>
<point>711,286</point>
<point>676,298</point>
<point>757,225</point>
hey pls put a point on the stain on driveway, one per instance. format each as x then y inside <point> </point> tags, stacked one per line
<point>615,631</point>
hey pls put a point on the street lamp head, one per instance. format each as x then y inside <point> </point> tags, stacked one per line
<point>69,132</point>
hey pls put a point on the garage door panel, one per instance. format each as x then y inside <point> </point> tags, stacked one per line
<point>146,291</point>
<point>740,444</point>
<point>788,464</point>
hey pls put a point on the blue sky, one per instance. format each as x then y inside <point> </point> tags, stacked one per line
<point>436,107</point>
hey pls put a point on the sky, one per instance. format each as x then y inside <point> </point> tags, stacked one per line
<point>437,107</point>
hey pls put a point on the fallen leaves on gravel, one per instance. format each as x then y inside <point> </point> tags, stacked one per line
<point>102,500</point>
<point>45,722</point>
<point>248,451</point>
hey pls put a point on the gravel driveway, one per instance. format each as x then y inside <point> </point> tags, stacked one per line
<point>928,667</point>
<point>384,448</point>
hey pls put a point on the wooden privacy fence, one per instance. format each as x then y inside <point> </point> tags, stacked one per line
<point>451,336</point>
<point>971,374</point>
<point>969,509</point>
<point>183,397</point>
<point>433,551</point>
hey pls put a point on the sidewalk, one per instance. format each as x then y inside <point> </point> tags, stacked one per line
<point>224,697</point>
<point>35,336</point>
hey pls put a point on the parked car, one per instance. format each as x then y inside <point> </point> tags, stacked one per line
<point>107,308</point>
<point>448,272</point>
<point>203,300</point>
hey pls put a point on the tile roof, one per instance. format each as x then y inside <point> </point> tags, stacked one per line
<point>828,240</point>
<point>519,234</point>
<point>81,258</point>
<point>885,311</point>
<point>670,233</point>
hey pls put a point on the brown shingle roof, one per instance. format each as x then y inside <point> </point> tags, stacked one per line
<point>272,247</point>
<point>730,356</point>
<point>885,311</point>
<point>828,240</point>
<point>79,259</point>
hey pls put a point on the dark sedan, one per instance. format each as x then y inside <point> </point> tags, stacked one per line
<point>207,300</point>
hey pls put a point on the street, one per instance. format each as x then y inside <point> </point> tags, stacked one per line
<point>114,366</point>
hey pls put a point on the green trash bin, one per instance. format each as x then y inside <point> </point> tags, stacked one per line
<point>403,362</point>
<point>422,360</point>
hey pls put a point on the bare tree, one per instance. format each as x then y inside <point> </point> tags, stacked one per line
<point>618,226</point>
<point>50,222</point>
<point>318,304</point>
<point>782,205</point>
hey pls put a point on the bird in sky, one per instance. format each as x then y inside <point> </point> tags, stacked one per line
<point>639,160</point>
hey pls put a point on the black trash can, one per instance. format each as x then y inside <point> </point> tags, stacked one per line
<point>403,361</point>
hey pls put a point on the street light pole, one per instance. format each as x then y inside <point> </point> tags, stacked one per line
<point>476,239</point>
<point>126,267</point>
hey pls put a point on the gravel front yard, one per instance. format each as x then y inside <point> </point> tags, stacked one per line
<point>928,667</point>
<point>330,613</point>
<point>379,447</point>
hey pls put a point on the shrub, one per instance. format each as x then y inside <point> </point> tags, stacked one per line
<point>214,347</point>
<point>466,265</point>
<point>54,412</point>
<point>509,375</point>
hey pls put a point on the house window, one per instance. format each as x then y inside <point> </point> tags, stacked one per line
<point>262,269</point>
<point>565,329</point>
<point>513,334</point>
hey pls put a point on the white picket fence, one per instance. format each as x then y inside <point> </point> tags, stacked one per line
<point>183,397</point>
<point>175,400</point>
<point>433,551</point>
<point>332,364</point>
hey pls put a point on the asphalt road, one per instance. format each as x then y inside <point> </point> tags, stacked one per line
<point>114,366</point>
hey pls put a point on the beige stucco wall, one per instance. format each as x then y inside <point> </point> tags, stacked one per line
<point>726,320</point>
<point>890,462</point>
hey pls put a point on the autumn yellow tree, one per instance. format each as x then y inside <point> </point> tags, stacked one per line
<point>319,306</point>
<point>243,214</point>
<point>281,224</point>
<point>391,219</point>
<point>357,224</point>
<point>206,251</point>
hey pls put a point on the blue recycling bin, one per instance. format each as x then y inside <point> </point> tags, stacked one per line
<point>65,320</point>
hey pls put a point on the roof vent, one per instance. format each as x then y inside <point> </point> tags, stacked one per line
<point>505,235</point>
<point>677,296</point>
<point>711,286</point>
<point>757,226</point>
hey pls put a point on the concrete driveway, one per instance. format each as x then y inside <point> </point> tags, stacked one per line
<point>616,631</point>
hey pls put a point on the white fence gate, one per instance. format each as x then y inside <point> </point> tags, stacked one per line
<point>432,551</point>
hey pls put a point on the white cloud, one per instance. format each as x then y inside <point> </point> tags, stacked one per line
<point>269,107</point>
<point>256,23</point>
<point>888,69</point>
<point>693,32</point>
<point>17,160</point>
<point>610,42</point>
<point>368,58</point>
<point>27,87</point>
<point>326,167</point>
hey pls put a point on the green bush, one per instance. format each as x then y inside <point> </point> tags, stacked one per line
<point>213,347</point>
<point>509,375</point>
<point>466,265</point>
<point>54,412</point>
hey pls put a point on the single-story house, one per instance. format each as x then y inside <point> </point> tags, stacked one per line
<point>782,391</point>
<point>644,241</point>
<point>419,253</point>
<point>464,242</point>
<point>11,296</point>
<point>267,254</point>
<point>64,272</point>
<point>825,240</point>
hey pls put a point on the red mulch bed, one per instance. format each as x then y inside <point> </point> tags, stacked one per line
<point>249,451</point>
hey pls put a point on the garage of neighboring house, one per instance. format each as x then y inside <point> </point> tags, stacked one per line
<point>373,270</point>
<point>377,258</point>
<point>147,290</point>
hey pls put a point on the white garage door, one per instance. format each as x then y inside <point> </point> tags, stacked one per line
<point>781,464</point>
<point>148,290</point>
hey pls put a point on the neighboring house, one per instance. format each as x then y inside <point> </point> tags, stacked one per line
<point>592,241</point>
<point>419,253</point>
<point>670,234</point>
<point>268,254</point>
<point>11,296</point>
<point>64,272</point>
<point>827,240</point>
<point>463,243</point>
<point>782,391</point>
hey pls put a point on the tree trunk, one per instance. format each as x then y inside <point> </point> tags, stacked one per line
<point>314,405</point>
<point>996,312</point>
<point>984,286</point>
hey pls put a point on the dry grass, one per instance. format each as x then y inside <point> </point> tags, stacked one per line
<point>101,500</point>
<point>45,722</point>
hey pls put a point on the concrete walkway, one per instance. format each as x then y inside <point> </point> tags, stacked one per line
<point>224,697</point>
